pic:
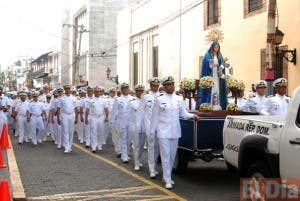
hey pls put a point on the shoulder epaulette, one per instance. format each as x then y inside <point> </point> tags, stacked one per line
<point>160,95</point>
<point>270,96</point>
<point>132,99</point>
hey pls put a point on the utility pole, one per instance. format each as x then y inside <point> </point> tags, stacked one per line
<point>77,55</point>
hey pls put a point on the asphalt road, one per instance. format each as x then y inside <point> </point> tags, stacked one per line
<point>49,174</point>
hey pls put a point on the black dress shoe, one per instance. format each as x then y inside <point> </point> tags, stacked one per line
<point>87,146</point>
<point>119,155</point>
<point>94,151</point>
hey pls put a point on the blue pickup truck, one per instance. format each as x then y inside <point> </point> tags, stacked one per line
<point>202,139</point>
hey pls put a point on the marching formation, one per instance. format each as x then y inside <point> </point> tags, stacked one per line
<point>133,119</point>
<point>93,114</point>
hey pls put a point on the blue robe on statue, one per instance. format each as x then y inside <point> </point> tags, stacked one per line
<point>205,95</point>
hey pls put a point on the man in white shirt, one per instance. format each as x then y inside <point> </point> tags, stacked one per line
<point>257,103</point>
<point>165,120</point>
<point>66,112</point>
<point>120,109</point>
<point>37,116</point>
<point>112,128</point>
<point>21,114</point>
<point>152,141</point>
<point>137,125</point>
<point>97,112</point>
<point>87,127</point>
<point>278,104</point>
<point>80,116</point>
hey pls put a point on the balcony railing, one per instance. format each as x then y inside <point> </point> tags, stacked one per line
<point>39,73</point>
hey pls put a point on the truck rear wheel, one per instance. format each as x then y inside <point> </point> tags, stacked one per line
<point>230,167</point>
<point>259,170</point>
<point>181,162</point>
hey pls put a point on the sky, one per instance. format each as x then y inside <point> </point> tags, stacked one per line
<point>30,28</point>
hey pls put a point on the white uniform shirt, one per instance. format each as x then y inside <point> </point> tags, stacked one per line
<point>4,101</point>
<point>97,106</point>
<point>36,108</point>
<point>277,105</point>
<point>256,104</point>
<point>42,98</point>
<point>149,100</point>
<point>121,112</point>
<point>21,108</point>
<point>165,117</point>
<point>136,118</point>
<point>87,102</point>
<point>67,104</point>
<point>47,108</point>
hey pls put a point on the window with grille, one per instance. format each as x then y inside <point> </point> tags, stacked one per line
<point>135,68</point>
<point>255,5</point>
<point>155,61</point>
<point>213,12</point>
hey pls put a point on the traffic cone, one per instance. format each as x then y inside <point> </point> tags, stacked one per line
<point>4,191</point>
<point>4,144</point>
<point>2,165</point>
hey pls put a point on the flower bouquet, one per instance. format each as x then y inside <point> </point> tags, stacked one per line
<point>205,107</point>
<point>188,85</point>
<point>235,86</point>
<point>232,107</point>
<point>206,82</point>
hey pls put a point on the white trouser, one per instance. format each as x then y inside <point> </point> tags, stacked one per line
<point>67,125</point>
<point>125,142</point>
<point>168,150</point>
<point>153,151</point>
<point>80,131</point>
<point>87,133</point>
<point>57,132</point>
<point>37,128</point>
<point>106,132</point>
<point>138,142</point>
<point>16,127</point>
<point>115,134</point>
<point>97,126</point>
<point>22,124</point>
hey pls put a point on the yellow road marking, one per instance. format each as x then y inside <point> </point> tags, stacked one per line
<point>118,193</point>
<point>84,193</point>
<point>136,176</point>
<point>154,199</point>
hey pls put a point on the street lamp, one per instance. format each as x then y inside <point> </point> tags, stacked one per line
<point>289,55</point>
<point>114,79</point>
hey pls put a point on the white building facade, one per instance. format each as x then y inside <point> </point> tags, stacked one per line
<point>160,44</point>
<point>93,41</point>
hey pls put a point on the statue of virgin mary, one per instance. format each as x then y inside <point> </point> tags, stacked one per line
<point>212,61</point>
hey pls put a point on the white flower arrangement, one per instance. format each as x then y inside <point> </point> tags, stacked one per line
<point>206,82</point>
<point>235,84</point>
<point>232,107</point>
<point>205,107</point>
<point>187,84</point>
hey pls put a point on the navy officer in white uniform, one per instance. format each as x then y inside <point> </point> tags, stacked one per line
<point>279,103</point>
<point>165,120</point>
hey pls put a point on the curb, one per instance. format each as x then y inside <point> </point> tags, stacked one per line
<point>18,192</point>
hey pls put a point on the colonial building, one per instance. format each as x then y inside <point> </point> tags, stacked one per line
<point>170,37</point>
<point>45,70</point>
<point>92,41</point>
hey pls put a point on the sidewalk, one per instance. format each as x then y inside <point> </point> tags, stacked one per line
<point>11,174</point>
